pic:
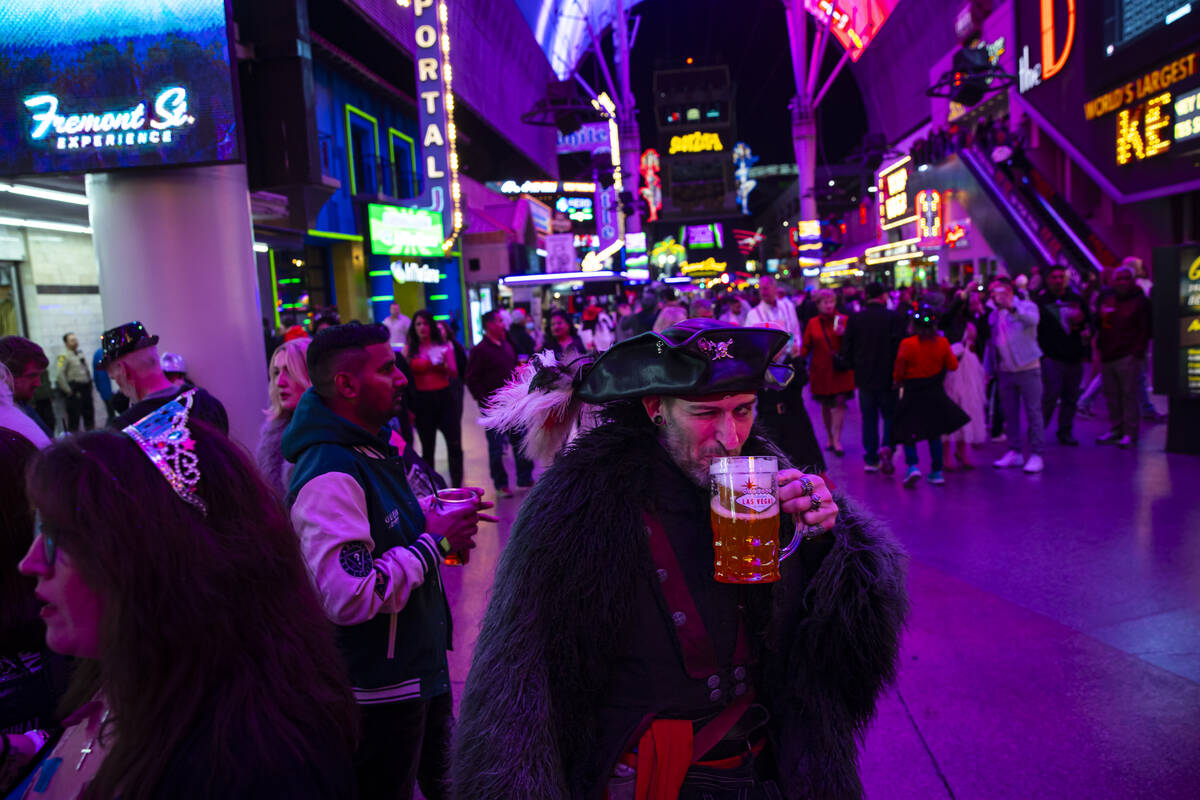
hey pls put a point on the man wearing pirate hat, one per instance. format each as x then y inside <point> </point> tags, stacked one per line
<point>610,662</point>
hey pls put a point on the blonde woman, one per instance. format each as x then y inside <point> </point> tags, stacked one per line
<point>289,380</point>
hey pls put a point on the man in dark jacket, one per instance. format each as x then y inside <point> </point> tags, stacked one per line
<point>372,550</point>
<point>872,339</point>
<point>130,357</point>
<point>606,631</point>
<point>1122,336</point>
<point>489,367</point>
<point>519,336</point>
<point>1062,332</point>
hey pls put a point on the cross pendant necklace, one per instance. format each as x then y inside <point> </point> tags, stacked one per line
<point>86,750</point>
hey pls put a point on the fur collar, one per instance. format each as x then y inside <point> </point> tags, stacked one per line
<point>563,593</point>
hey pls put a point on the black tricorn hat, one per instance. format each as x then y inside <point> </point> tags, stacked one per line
<point>123,340</point>
<point>695,357</point>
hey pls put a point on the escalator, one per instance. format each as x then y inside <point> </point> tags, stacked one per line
<point>1051,230</point>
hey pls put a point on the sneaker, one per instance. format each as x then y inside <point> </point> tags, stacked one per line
<point>1034,464</point>
<point>1000,438</point>
<point>1127,443</point>
<point>1108,438</point>
<point>504,492</point>
<point>937,478</point>
<point>871,468</point>
<point>885,460</point>
<point>1010,459</point>
<point>911,477</point>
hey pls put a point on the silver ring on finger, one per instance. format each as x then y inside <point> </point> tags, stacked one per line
<point>815,503</point>
<point>806,487</point>
<point>811,531</point>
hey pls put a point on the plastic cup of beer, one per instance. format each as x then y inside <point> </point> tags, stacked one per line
<point>744,509</point>
<point>452,500</point>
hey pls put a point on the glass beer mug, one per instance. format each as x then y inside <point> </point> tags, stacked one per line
<point>744,508</point>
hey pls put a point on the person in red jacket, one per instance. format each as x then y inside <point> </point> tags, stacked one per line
<point>830,386</point>
<point>925,412</point>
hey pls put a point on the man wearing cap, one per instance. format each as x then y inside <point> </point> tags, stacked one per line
<point>610,660</point>
<point>129,354</point>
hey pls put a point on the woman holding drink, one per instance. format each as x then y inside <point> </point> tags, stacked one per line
<point>434,406</point>
<point>832,386</point>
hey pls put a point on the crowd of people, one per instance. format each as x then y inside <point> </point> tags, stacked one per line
<point>182,619</point>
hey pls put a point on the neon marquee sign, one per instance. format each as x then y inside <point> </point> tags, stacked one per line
<point>123,128</point>
<point>698,142</point>
<point>892,191</point>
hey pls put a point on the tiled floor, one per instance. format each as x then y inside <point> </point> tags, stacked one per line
<point>1054,645</point>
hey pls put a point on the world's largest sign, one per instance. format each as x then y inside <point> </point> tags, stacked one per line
<point>1124,108</point>
<point>108,84</point>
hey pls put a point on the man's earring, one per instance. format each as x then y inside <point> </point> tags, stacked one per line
<point>658,419</point>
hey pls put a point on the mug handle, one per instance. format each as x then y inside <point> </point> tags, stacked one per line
<point>797,537</point>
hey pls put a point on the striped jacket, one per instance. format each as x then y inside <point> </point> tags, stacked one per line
<point>362,534</point>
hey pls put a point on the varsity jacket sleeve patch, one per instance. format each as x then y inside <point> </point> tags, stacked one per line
<point>353,580</point>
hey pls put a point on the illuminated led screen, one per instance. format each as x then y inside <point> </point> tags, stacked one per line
<point>853,22</point>
<point>105,84</point>
<point>401,231</point>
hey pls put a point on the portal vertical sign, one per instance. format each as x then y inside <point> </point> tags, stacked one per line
<point>435,103</point>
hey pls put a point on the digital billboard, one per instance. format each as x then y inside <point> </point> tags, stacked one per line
<point>106,84</point>
<point>401,231</point>
<point>1118,93</point>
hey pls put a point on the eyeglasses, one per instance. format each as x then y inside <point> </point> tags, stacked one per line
<point>49,546</point>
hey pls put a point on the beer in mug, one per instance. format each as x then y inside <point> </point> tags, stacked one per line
<point>744,509</point>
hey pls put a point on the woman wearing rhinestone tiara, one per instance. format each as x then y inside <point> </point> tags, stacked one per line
<point>205,666</point>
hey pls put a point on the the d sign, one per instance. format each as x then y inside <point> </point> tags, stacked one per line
<point>1051,65</point>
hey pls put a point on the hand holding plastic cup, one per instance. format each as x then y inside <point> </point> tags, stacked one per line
<point>449,501</point>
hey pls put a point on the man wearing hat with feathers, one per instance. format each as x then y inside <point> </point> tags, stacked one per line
<point>610,663</point>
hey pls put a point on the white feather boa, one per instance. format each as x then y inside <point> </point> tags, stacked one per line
<point>539,401</point>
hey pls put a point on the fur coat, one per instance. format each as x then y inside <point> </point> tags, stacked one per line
<point>827,634</point>
<point>269,454</point>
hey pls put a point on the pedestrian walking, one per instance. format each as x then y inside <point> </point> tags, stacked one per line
<point>967,387</point>
<point>1063,337</point>
<point>489,367</point>
<point>397,323</point>
<point>870,345</point>
<point>519,335</point>
<point>831,380</point>
<point>435,408</point>
<point>925,412</point>
<point>1122,337</point>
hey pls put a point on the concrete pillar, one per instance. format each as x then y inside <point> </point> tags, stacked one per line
<point>175,250</point>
